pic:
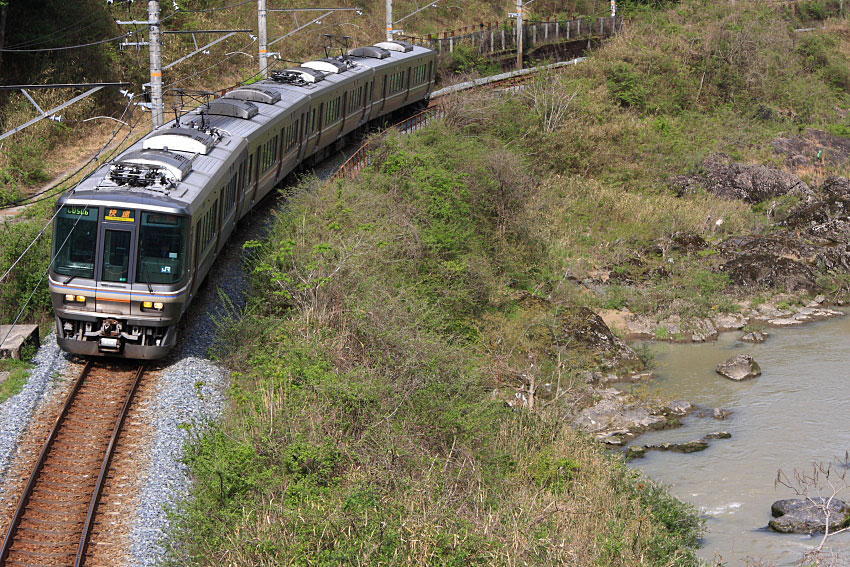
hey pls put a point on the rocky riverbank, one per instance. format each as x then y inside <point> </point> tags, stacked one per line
<point>790,272</point>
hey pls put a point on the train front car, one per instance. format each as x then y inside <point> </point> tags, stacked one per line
<point>120,275</point>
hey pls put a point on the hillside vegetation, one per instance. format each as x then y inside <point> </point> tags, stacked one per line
<point>406,372</point>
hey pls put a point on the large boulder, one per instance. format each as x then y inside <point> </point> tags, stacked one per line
<point>835,186</point>
<point>784,245</point>
<point>582,327</point>
<point>812,146</point>
<point>808,515</point>
<point>739,367</point>
<point>825,219</point>
<point>769,271</point>
<point>750,183</point>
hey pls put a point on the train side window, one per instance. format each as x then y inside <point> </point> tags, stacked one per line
<point>250,169</point>
<point>197,243</point>
<point>331,111</point>
<point>312,121</point>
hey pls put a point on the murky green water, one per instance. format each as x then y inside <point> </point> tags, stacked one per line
<point>796,412</point>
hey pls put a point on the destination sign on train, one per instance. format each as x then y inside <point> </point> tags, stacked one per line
<point>119,215</point>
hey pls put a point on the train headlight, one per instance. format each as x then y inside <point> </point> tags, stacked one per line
<point>155,306</point>
<point>158,306</point>
<point>81,298</point>
<point>147,304</point>
<point>69,298</point>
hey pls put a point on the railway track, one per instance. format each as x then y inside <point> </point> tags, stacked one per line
<point>53,521</point>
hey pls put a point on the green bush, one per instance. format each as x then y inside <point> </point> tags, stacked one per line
<point>627,86</point>
<point>25,279</point>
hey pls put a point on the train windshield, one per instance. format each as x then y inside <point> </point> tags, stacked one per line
<point>74,241</point>
<point>162,248</point>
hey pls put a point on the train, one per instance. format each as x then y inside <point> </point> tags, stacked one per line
<point>133,242</point>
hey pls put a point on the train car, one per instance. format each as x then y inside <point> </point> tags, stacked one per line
<point>134,241</point>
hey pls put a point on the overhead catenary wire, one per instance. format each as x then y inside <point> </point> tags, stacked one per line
<point>108,157</point>
<point>47,224</point>
<point>41,279</point>
<point>204,70</point>
<point>10,204</point>
<point>183,10</point>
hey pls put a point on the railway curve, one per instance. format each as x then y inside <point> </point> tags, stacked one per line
<point>55,515</point>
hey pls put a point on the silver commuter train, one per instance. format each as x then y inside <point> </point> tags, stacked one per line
<point>133,242</point>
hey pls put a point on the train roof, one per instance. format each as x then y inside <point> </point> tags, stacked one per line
<point>169,168</point>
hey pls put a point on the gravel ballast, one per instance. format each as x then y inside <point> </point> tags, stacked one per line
<point>189,394</point>
<point>16,412</point>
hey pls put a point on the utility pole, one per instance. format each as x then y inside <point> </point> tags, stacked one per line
<point>518,34</point>
<point>614,8</point>
<point>156,63</point>
<point>263,37</point>
<point>389,20</point>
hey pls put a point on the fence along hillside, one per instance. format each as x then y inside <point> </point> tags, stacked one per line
<point>500,37</point>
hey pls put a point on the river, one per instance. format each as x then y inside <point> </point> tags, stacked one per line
<point>795,413</point>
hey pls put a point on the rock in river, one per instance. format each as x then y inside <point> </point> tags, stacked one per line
<point>808,515</point>
<point>739,367</point>
<point>754,337</point>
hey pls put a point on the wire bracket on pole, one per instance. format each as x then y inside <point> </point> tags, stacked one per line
<point>35,104</point>
<point>51,114</point>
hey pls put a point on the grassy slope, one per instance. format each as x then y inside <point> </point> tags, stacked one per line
<point>388,311</point>
<point>18,372</point>
<point>364,429</point>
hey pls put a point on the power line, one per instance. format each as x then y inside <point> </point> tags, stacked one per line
<point>182,10</point>
<point>217,63</point>
<point>62,86</point>
<point>79,46</point>
<point>44,49</point>
<point>41,279</point>
<point>53,35</point>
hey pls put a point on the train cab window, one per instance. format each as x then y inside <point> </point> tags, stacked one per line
<point>162,249</point>
<point>116,256</point>
<point>74,241</point>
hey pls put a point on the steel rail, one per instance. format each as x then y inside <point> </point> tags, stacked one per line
<point>42,457</point>
<point>104,469</point>
<point>106,462</point>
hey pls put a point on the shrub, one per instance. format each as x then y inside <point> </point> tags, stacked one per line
<point>627,86</point>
